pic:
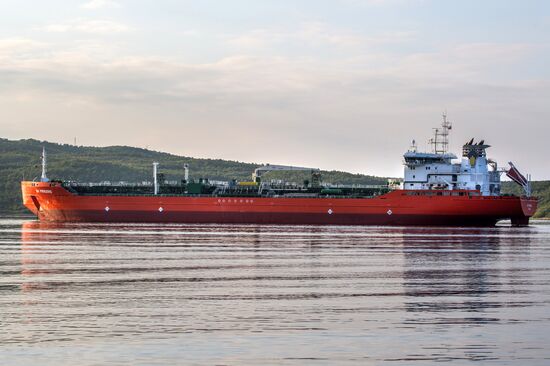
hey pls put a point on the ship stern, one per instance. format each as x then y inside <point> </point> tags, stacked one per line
<point>528,208</point>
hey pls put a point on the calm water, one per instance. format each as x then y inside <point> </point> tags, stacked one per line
<point>86,294</point>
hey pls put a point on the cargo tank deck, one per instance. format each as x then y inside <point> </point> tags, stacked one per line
<point>226,190</point>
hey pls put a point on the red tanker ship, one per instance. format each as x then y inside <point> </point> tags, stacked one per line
<point>438,189</point>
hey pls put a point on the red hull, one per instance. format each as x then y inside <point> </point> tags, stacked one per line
<point>51,202</point>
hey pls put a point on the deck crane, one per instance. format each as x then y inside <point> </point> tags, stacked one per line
<point>257,175</point>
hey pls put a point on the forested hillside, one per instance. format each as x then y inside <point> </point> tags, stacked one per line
<point>20,160</point>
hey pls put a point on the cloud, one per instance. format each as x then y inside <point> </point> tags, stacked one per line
<point>83,63</point>
<point>98,4</point>
<point>352,103</point>
<point>190,33</point>
<point>380,2</point>
<point>315,34</point>
<point>88,26</point>
<point>19,46</point>
<point>476,62</point>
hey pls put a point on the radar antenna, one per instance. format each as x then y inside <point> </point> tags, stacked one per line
<point>413,147</point>
<point>440,141</point>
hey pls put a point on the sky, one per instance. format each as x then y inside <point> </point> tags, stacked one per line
<point>340,84</point>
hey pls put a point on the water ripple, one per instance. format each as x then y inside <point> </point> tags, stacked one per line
<point>243,294</point>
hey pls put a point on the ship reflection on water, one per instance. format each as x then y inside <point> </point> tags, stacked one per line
<point>441,277</point>
<point>101,293</point>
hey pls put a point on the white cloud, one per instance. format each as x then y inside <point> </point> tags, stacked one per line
<point>17,45</point>
<point>316,34</point>
<point>97,4</point>
<point>191,33</point>
<point>320,33</point>
<point>94,70</point>
<point>309,33</point>
<point>353,104</point>
<point>88,26</point>
<point>380,2</point>
<point>254,75</point>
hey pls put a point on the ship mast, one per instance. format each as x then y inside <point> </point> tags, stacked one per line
<point>186,172</point>
<point>440,141</point>
<point>155,178</point>
<point>43,177</point>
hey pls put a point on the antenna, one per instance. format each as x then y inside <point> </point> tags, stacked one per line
<point>43,177</point>
<point>440,141</point>
<point>413,147</point>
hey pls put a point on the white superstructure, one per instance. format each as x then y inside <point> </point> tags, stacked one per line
<point>440,170</point>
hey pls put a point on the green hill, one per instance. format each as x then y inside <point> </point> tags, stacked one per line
<point>20,160</point>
